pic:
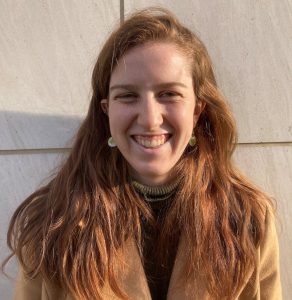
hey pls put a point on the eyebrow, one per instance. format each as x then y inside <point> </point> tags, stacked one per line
<point>160,85</point>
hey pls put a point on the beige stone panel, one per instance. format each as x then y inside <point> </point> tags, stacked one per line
<point>270,167</point>
<point>22,130</point>
<point>47,53</point>
<point>250,44</point>
<point>20,175</point>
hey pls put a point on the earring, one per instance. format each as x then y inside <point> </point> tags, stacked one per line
<point>111,142</point>
<point>193,140</point>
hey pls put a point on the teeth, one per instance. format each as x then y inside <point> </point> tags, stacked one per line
<point>150,142</point>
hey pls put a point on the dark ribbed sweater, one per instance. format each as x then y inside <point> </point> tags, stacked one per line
<point>158,275</point>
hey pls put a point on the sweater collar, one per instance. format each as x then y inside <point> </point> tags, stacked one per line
<point>155,193</point>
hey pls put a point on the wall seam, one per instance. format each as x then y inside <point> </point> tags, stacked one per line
<point>63,150</point>
<point>34,151</point>
<point>122,11</point>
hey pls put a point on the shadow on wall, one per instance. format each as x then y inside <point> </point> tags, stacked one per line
<point>21,130</point>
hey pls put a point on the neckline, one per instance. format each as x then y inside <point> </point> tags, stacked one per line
<point>155,193</point>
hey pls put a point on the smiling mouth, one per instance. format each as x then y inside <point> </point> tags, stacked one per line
<point>151,141</point>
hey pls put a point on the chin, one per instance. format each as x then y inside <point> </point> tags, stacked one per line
<point>151,176</point>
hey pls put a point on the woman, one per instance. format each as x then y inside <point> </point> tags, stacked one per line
<point>148,204</point>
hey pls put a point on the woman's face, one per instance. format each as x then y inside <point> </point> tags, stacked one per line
<point>152,110</point>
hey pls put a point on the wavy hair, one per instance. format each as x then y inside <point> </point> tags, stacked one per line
<point>71,230</point>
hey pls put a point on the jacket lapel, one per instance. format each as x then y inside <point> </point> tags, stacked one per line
<point>132,275</point>
<point>192,289</point>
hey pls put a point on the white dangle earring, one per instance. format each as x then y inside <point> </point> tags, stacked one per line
<point>111,142</point>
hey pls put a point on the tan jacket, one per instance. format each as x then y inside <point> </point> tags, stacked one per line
<point>261,285</point>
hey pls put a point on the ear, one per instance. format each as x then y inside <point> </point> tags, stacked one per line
<point>104,105</point>
<point>200,105</point>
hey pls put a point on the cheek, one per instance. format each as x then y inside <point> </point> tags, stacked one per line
<point>182,118</point>
<point>119,119</point>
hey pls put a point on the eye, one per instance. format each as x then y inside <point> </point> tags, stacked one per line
<point>171,95</point>
<point>126,97</point>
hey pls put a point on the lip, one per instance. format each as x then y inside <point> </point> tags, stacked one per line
<point>150,149</point>
<point>167,135</point>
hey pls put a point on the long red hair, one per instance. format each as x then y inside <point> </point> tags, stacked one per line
<point>71,230</point>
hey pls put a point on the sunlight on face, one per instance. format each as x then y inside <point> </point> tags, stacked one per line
<point>151,109</point>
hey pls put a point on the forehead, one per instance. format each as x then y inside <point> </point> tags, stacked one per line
<point>155,61</point>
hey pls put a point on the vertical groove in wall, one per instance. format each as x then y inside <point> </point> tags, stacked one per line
<point>122,11</point>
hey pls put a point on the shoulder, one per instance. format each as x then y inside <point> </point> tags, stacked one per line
<point>269,269</point>
<point>27,288</point>
<point>269,243</point>
<point>264,281</point>
<point>36,289</point>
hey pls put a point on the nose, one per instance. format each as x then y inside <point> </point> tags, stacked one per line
<point>150,114</point>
